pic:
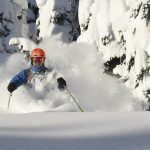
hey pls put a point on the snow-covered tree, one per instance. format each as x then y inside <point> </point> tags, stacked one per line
<point>26,18</point>
<point>120,30</point>
<point>61,17</point>
<point>32,15</point>
<point>135,69</point>
<point>13,22</point>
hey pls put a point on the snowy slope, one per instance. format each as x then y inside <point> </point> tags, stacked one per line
<point>75,131</point>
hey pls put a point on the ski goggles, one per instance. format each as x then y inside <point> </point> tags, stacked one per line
<point>38,59</point>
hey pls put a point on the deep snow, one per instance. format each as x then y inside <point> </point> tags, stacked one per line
<point>75,131</point>
<point>94,90</point>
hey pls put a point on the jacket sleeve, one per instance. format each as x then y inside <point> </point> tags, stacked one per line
<point>21,78</point>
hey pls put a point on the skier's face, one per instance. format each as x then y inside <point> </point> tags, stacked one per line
<point>38,61</point>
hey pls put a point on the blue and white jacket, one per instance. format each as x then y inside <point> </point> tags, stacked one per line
<point>23,77</point>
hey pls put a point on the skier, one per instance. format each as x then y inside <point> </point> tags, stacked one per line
<point>36,73</point>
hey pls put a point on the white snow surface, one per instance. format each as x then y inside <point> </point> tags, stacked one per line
<point>75,131</point>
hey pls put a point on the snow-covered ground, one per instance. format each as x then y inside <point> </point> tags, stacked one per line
<point>75,131</point>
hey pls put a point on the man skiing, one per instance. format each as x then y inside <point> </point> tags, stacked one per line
<point>37,73</point>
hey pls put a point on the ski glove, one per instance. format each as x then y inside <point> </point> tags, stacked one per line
<point>11,87</point>
<point>61,83</point>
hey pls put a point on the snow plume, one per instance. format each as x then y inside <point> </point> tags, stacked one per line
<point>81,66</point>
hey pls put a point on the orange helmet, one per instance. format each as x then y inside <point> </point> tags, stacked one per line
<point>37,52</point>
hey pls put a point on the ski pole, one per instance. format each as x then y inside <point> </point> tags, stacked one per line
<point>9,100</point>
<point>81,109</point>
